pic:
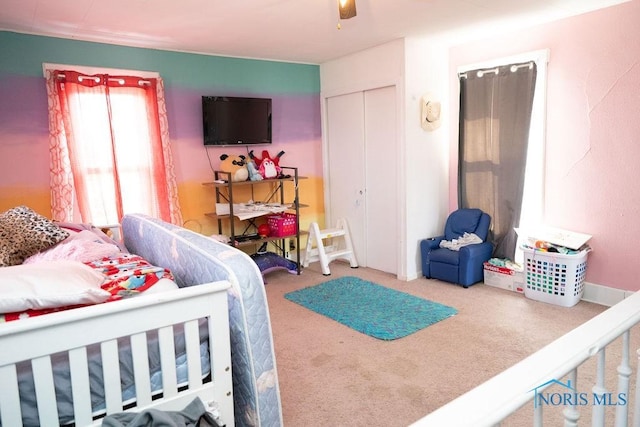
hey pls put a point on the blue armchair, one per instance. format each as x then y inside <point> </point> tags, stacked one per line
<point>463,266</point>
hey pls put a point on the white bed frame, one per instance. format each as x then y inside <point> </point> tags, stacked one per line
<point>71,331</point>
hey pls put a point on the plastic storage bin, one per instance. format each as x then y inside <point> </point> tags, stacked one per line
<point>554,278</point>
<point>284,224</point>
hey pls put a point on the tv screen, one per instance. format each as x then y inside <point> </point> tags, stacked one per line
<point>236,121</point>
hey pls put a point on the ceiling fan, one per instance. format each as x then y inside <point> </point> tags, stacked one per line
<point>347,8</point>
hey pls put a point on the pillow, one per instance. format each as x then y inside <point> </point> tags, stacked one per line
<point>49,285</point>
<point>97,232</point>
<point>81,247</point>
<point>23,233</point>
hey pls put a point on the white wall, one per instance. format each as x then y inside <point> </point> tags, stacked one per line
<point>372,68</point>
<point>426,162</point>
<point>414,66</point>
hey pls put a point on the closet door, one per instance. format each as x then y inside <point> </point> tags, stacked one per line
<point>362,169</point>
<point>381,178</point>
<point>346,173</point>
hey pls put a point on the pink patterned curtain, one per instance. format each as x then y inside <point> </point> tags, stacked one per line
<point>110,152</point>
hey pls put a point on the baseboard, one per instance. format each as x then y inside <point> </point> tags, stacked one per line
<point>597,294</point>
<point>603,295</point>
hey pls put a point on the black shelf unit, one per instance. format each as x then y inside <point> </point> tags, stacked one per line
<point>224,190</point>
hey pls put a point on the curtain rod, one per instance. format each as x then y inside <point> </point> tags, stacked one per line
<point>111,79</point>
<point>513,68</point>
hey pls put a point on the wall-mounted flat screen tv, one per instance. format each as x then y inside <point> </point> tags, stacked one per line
<point>236,120</point>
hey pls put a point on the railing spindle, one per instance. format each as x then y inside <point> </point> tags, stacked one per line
<point>571,414</point>
<point>599,391</point>
<point>636,405</point>
<point>537,414</point>
<point>624,377</point>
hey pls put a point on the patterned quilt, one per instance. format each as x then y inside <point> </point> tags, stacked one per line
<point>128,274</point>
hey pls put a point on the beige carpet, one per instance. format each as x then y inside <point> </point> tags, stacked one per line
<point>332,375</point>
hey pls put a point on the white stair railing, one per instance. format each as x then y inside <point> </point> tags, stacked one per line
<point>557,363</point>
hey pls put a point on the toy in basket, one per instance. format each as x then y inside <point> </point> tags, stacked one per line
<point>554,277</point>
<point>282,224</point>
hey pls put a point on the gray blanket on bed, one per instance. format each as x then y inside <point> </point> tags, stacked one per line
<point>194,414</point>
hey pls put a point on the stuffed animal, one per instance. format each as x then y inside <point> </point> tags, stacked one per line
<point>254,175</point>
<point>236,166</point>
<point>268,167</point>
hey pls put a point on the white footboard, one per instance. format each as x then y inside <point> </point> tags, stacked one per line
<point>71,332</point>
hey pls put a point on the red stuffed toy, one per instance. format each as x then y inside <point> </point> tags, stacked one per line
<point>268,167</point>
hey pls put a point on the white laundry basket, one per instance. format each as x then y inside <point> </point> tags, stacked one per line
<point>554,278</point>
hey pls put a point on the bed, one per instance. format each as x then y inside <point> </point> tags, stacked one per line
<point>158,350</point>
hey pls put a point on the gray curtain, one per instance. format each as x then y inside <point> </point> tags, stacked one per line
<point>495,114</point>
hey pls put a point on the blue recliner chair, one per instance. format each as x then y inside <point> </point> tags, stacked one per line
<point>463,266</point>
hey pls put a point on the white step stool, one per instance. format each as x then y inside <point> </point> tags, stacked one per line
<point>340,247</point>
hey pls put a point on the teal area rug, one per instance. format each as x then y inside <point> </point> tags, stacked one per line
<point>369,308</point>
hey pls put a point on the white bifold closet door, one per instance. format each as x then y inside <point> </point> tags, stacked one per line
<point>362,173</point>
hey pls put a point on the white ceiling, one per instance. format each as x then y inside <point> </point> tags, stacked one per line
<point>284,30</point>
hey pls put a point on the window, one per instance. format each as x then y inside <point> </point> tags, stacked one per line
<point>110,151</point>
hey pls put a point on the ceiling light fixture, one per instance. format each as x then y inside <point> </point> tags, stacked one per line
<point>347,8</point>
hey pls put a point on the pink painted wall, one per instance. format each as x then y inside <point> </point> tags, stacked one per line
<point>593,130</point>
